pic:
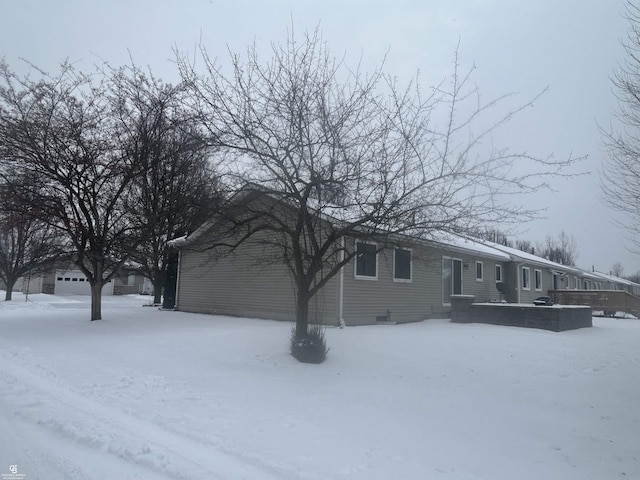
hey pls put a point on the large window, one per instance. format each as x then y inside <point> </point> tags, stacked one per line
<point>498,273</point>
<point>366,261</point>
<point>526,278</point>
<point>402,265</point>
<point>479,271</point>
<point>538,279</point>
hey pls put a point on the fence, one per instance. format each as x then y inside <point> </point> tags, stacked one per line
<point>608,301</point>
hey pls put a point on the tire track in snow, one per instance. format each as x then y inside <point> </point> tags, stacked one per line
<point>106,429</point>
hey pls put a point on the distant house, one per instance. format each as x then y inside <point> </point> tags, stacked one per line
<point>74,282</point>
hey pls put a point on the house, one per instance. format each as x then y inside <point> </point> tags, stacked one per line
<point>393,285</point>
<point>406,280</point>
<point>73,282</point>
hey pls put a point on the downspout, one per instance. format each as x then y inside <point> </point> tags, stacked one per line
<point>518,277</point>
<point>178,281</point>
<point>341,286</point>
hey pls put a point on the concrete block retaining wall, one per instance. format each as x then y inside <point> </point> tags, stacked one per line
<point>556,318</point>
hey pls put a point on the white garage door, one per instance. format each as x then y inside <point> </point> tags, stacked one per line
<point>73,282</point>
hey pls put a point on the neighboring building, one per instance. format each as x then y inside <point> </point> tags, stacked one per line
<point>529,276</point>
<point>74,282</point>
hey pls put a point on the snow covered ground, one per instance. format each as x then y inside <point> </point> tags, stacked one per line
<point>146,394</point>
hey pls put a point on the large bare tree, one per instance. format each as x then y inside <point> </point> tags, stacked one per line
<point>175,190</point>
<point>344,154</point>
<point>61,129</point>
<point>620,173</point>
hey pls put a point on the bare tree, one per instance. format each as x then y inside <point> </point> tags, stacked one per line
<point>525,246</point>
<point>176,189</point>
<point>494,235</point>
<point>27,244</point>
<point>620,174</point>
<point>61,129</point>
<point>561,250</point>
<point>343,154</point>
<point>617,270</point>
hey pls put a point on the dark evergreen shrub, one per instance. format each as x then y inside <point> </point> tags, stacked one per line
<point>312,348</point>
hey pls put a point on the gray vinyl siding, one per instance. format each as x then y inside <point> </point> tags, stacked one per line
<point>367,300</point>
<point>528,295</point>
<point>247,283</point>
<point>484,290</point>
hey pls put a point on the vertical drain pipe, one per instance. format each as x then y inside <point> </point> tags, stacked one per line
<point>341,286</point>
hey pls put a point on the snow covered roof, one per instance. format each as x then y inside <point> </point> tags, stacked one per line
<point>610,278</point>
<point>446,239</point>
<point>519,255</point>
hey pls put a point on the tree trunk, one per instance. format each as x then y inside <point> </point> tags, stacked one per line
<point>9,293</point>
<point>302,314</point>
<point>157,289</point>
<point>96,301</point>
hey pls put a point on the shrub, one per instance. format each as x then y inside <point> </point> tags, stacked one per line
<point>312,348</point>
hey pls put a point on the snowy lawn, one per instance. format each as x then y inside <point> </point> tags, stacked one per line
<point>146,394</point>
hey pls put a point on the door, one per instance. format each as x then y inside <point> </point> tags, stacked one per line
<point>451,278</point>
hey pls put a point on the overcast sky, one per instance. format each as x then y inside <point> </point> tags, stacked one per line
<point>570,46</point>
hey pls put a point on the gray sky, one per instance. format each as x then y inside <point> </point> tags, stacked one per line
<point>570,46</point>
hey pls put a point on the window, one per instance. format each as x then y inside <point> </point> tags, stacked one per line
<point>576,285</point>
<point>498,273</point>
<point>366,261</point>
<point>479,272</point>
<point>401,265</point>
<point>526,278</point>
<point>538,279</point>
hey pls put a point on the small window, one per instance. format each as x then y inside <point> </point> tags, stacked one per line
<point>401,265</point>
<point>74,279</point>
<point>538,279</point>
<point>479,272</point>
<point>82,279</point>
<point>498,273</point>
<point>575,283</point>
<point>59,279</point>
<point>366,261</point>
<point>67,279</point>
<point>526,278</point>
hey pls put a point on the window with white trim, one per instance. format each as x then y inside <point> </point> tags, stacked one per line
<point>366,261</point>
<point>479,271</point>
<point>526,278</point>
<point>498,273</point>
<point>538,279</point>
<point>402,265</point>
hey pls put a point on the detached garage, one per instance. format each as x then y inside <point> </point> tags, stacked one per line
<point>73,282</point>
